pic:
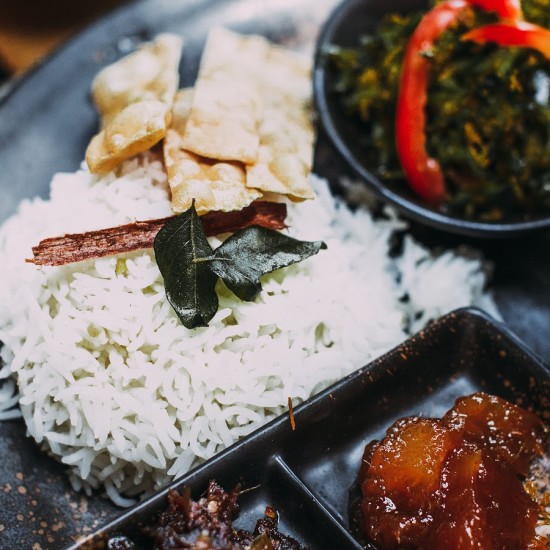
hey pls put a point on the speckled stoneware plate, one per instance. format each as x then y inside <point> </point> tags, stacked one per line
<point>306,474</point>
<point>46,121</point>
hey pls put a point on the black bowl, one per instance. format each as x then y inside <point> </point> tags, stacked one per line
<point>349,21</point>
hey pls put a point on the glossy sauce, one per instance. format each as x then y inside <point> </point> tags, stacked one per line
<point>454,483</point>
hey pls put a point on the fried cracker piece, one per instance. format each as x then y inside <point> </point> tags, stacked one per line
<point>214,185</point>
<point>227,104</point>
<point>134,97</point>
<point>150,73</point>
<point>252,104</point>
<point>135,129</point>
<point>286,130</point>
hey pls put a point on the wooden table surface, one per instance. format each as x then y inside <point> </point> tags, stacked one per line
<point>29,29</point>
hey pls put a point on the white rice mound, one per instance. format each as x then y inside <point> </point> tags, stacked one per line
<point>116,388</point>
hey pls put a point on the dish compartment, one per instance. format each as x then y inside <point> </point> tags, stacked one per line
<point>308,474</point>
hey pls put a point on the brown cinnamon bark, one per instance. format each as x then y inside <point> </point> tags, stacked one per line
<point>78,247</point>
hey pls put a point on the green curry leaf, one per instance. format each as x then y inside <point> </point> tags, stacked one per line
<point>252,252</point>
<point>189,285</point>
<point>191,268</point>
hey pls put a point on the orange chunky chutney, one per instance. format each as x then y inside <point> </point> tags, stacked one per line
<point>454,482</point>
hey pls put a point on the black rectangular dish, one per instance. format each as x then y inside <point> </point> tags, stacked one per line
<point>306,474</point>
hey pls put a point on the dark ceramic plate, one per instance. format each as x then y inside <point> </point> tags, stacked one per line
<point>350,20</point>
<point>307,474</point>
<point>45,122</point>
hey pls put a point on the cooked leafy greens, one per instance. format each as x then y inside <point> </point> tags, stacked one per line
<point>488,112</point>
<point>191,268</point>
<point>537,11</point>
<point>367,81</point>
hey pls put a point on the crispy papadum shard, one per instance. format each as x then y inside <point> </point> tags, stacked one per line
<point>135,129</point>
<point>150,73</point>
<point>212,184</point>
<point>134,97</point>
<point>183,100</point>
<point>286,129</point>
<point>227,104</point>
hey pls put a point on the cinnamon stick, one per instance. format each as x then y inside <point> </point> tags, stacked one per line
<point>78,247</point>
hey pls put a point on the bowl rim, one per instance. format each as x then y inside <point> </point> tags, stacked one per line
<point>409,209</point>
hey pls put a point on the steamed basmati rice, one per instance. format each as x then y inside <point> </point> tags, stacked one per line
<point>116,388</point>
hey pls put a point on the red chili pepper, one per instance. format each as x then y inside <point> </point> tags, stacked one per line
<point>422,171</point>
<point>506,9</point>
<point>519,33</point>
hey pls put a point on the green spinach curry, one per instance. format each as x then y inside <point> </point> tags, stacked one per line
<point>479,144</point>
